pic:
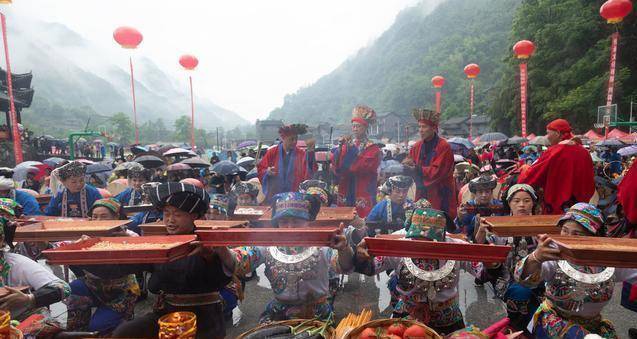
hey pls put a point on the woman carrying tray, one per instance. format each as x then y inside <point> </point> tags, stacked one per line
<point>111,289</point>
<point>188,284</point>
<point>575,295</point>
<point>17,270</point>
<point>427,289</point>
<point>77,197</point>
<point>299,275</point>
<point>521,301</point>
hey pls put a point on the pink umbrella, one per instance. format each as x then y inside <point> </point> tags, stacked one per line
<point>105,193</point>
<point>178,167</point>
<point>178,151</point>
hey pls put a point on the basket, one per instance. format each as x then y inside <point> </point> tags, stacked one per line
<point>292,322</point>
<point>355,332</point>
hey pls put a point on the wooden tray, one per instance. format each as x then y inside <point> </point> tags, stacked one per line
<point>50,230</point>
<point>391,246</point>
<point>327,217</point>
<point>598,251</point>
<point>267,237</point>
<point>519,226</point>
<point>159,228</point>
<point>77,254</point>
<point>356,331</point>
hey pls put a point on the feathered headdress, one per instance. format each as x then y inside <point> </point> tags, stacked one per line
<point>363,115</point>
<point>427,116</point>
<point>293,129</point>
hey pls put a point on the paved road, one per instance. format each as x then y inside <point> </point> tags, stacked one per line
<point>477,303</point>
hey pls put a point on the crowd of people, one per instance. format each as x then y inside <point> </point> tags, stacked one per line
<point>430,192</point>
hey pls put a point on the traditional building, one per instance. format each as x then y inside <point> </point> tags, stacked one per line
<point>22,97</point>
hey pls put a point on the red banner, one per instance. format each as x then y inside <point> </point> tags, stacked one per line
<point>523,80</point>
<point>13,117</point>
<point>613,61</point>
<point>438,101</point>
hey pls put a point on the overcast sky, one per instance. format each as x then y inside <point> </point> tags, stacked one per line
<point>251,52</point>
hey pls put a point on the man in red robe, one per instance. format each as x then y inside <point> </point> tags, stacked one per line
<point>564,172</point>
<point>431,161</point>
<point>284,166</point>
<point>355,163</point>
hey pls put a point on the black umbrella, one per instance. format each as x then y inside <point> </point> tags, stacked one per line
<point>515,140</point>
<point>196,162</point>
<point>252,174</point>
<point>610,143</point>
<point>98,168</point>
<point>495,136</point>
<point>150,161</point>
<point>226,167</point>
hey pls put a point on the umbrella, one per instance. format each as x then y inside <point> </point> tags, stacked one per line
<point>125,166</point>
<point>27,164</point>
<point>610,143</point>
<point>150,161</point>
<point>20,173</point>
<point>178,151</point>
<point>516,140</point>
<point>138,149</point>
<point>540,140</point>
<point>98,141</point>
<point>458,158</point>
<point>245,161</point>
<point>86,161</point>
<point>226,167</point>
<point>178,167</point>
<point>112,144</point>
<point>596,158</point>
<point>252,174</point>
<point>81,140</point>
<point>495,136</point>
<point>46,136</point>
<point>247,144</point>
<point>196,162</point>
<point>461,141</point>
<point>628,151</point>
<point>98,168</point>
<point>53,162</point>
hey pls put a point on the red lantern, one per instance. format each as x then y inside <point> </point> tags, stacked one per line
<point>188,61</point>
<point>127,37</point>
<point>438,81</point>
<point>472,71</point>
<point>614,11</point>
<point>523,49</point>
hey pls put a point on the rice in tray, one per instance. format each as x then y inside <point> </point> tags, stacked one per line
<point>107,245</point>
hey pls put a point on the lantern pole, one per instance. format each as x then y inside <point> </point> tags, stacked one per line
<point>614,41</point>
<point>192,116</point>
<point>471,96</point>
<point>438,99</point>
<point>132,85</point>
<point>523,94</point>
<point>13,118</point>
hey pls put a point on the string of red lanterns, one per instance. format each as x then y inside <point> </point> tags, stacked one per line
<point>472,71</point>
<point>130,38</point>
<point>189,62</point>
<point>523,50</point>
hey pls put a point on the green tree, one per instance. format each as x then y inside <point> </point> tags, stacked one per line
<point>182,129</point>
<point>123,130</point>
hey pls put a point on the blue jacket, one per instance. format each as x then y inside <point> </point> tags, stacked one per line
<point>29,204</point>
<point>124,196</point>
<point>74,204</point>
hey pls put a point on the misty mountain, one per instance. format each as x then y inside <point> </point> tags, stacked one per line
<point>74,80</point>
<point>394,73</point>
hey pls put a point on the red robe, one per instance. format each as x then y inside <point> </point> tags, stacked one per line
<point>356,170</point>
<point>565,173</point>
<point>434,174</point>
<point>272,184</point>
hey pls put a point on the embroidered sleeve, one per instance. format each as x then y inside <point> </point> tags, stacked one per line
<point>533,280</point>
<point>249,258</point>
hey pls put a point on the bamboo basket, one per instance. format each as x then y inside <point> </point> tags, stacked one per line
<point>292,322</point>
<point>355,332</point>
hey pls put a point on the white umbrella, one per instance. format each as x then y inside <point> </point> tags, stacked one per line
<point>179,151</point>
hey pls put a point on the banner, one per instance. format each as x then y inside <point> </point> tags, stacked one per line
<point>523,80</point>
